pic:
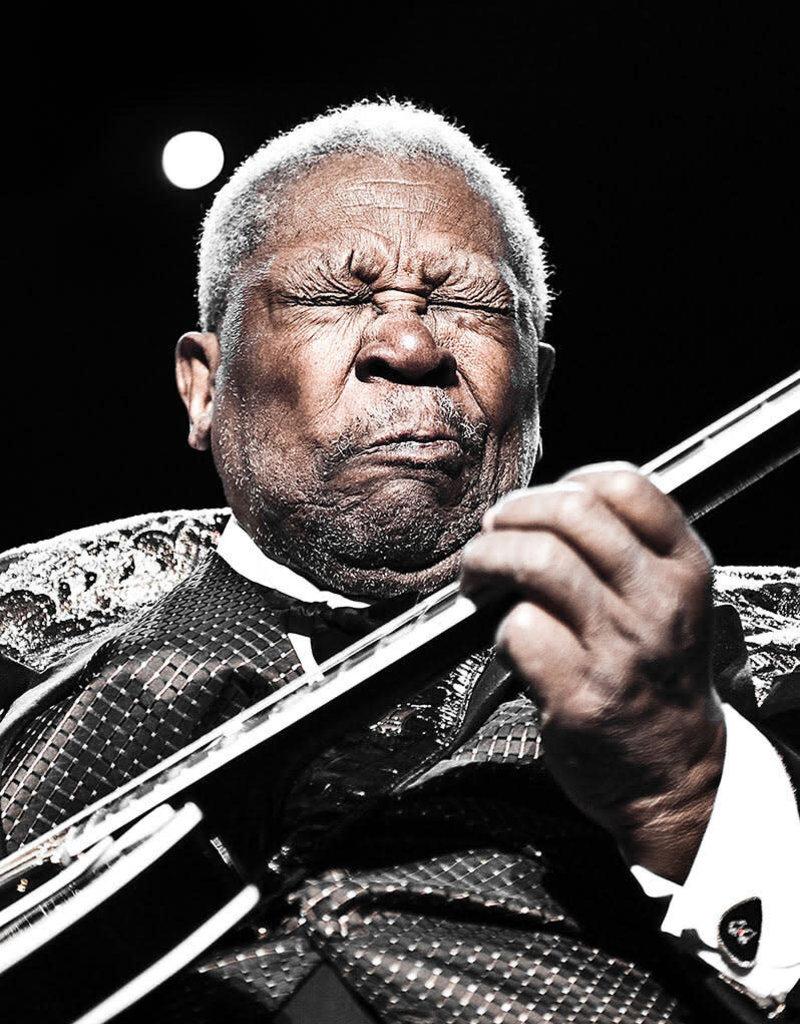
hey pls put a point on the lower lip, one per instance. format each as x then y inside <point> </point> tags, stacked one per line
<point>439,452</point>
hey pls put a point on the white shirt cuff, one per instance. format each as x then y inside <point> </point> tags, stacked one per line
<point>751,849</point>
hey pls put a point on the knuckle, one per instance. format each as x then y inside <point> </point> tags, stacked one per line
<point>597,470</point>
<point>517,623</point>
<point>699,556</point>
<point>469,552</point>
<point>509,499</point>
<point>669,609</point>
<point>692,568</point>
<point>577,505</point>
<point>488,518</point>
<point>520,620</point>
<point>636,562</point>
<point>473,556</point>
<point>513,639</point>
<point>541,556</point>
<point>693,584</point>
<point>627,485</point>
<point>588,710</point>
<point>676,622</point>
<point>514,495</point>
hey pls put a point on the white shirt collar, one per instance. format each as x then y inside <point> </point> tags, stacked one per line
<point>242,554</point>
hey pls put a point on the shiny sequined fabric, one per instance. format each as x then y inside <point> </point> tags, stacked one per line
<point>206,650</point>
<point>448,880</point>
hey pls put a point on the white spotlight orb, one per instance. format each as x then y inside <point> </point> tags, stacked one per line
<point>192,159</point>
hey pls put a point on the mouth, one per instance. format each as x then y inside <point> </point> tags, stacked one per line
<point>437,451</point>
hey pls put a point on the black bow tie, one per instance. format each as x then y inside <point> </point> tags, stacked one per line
<point>332,629</point>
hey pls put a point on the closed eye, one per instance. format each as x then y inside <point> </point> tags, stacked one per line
<point>326,299</point>
<point>478,306</point>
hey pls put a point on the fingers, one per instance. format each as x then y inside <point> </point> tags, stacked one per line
<point>529,635</point>
<point>540,565</point>
<point>652,515</point>
<point>587,523</point>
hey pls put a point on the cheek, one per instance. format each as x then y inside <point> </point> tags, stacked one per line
<point>325,341</point>
<point>292,371</point>
<point>489,358</point>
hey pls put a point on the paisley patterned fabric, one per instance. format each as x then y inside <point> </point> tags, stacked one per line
<point>454,884</point>
<point>57,594</point>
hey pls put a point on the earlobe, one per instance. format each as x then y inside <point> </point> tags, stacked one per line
<point>547,359</point>
<point>197,357</point>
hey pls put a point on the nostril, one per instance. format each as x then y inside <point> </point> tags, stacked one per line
<point>406,364</point>
<point>444,373</point>
<point>375,367</point>
<point>403,350</point>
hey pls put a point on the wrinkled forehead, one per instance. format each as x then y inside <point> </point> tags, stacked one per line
<point>391,203</point>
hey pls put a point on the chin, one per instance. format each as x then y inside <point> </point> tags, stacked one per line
<point>400,535</point>
<point>376,550</point>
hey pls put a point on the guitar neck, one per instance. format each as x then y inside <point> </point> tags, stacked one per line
<point>757,421</point>
<point>732,453</point>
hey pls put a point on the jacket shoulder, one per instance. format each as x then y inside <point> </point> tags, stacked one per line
<point>60,594</point>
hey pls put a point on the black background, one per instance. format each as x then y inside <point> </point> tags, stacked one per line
<point>654,145</point>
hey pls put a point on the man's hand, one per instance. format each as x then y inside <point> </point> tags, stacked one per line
<point>611,632</point>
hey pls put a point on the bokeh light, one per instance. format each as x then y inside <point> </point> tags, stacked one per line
<point>192,159</point>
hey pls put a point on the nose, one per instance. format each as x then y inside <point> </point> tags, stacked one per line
<point>398,346</point>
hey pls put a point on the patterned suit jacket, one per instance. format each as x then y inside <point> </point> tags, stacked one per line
<point>427,857</point>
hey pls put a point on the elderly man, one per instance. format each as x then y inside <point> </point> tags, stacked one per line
<point>368,378</point>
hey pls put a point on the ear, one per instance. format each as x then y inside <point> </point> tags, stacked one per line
<point>547,360</point>
<point>197,357</point>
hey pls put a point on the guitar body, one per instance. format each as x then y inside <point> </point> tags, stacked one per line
<point>85,943</point>
<point>131,891</point>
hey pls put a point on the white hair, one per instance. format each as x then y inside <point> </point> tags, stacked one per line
<point>240,216</point>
